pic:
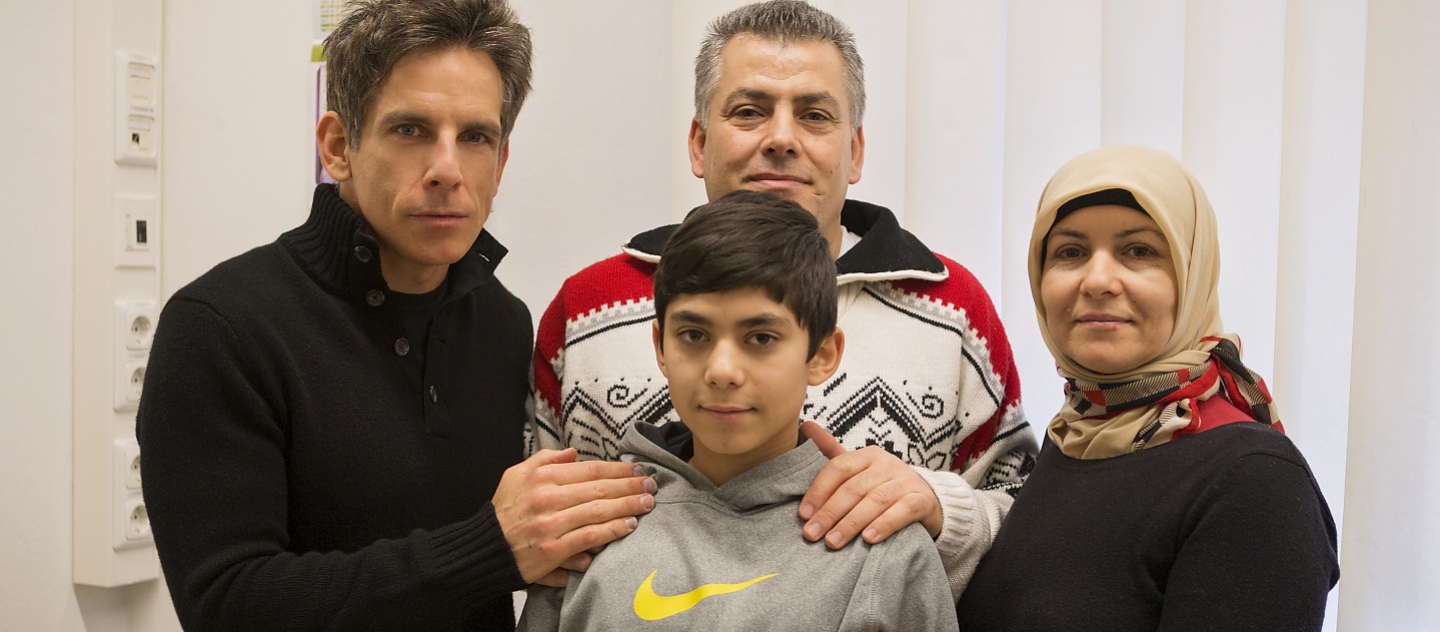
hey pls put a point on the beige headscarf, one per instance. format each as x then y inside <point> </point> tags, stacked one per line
<point>1173,198</point>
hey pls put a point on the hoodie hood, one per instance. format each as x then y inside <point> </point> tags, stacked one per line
<point>781,479</point>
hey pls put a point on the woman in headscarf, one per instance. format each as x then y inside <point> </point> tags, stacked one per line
<point>1167,496</point>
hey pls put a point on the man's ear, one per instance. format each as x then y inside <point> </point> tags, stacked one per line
<point>658,339</point>
<point>334,146</point>
<point>697,148</point>
<point>857,153</point>
<point>501,160</point>
<point>827,358</point>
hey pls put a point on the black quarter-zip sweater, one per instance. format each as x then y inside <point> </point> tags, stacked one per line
<point>303,471</point>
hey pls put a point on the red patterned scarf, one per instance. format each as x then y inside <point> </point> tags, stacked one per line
<point>1176,398</point>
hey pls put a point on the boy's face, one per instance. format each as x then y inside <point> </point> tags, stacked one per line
<point>737,369</point>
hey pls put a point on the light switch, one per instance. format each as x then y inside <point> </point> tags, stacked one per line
<point>137,231</point>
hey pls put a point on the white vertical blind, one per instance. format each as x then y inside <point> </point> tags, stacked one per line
<point>1319,203</point>
<point>1052,113</point>
<point>1143,73</point>
<point>1392,507</point>
<point>955,149</point>
<point>881,30</point>
<point>1234,80</point>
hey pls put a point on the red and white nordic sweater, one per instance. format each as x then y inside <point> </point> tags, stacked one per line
<point>927,374</point>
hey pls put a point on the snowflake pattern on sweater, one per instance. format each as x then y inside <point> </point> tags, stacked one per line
<point>913,349</point>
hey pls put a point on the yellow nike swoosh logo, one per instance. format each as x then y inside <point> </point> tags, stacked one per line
<point>652,607</point>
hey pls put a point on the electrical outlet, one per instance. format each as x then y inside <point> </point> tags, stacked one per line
<point>140,332</point>
<point>137,523</point>
<point>127,466</point>
<point>132,469</point>
<point>135,381</point>
<point>130,519</point>
<point>134,332</point>
<point>129,381</point>
<point>135,323</point>
<point>132,524</point>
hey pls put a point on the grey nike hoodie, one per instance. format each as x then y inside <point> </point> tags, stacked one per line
<point>700,534</point>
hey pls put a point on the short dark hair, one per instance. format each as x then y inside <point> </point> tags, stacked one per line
<point>375,35</point>
<point>781,21</point>
<point>751,239</point>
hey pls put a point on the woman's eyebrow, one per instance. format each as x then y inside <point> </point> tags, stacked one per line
<point>1139,229</point>
<point>1068,232</point>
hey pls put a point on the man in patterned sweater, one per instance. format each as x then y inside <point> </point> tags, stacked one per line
<point>925,410</point>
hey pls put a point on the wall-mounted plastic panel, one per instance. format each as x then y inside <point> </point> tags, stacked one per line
<point>117,267</point>
<point>137,109</point>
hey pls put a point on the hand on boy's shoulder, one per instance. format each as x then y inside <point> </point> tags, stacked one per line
<point>554,511</point>
<point>868,491</point>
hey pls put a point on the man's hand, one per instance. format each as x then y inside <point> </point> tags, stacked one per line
<point>867,492</point>
<point>553,510</point>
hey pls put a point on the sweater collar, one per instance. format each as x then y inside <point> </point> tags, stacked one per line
<point>335,246</point>
<point>885,252</point>
<point>781,479</point>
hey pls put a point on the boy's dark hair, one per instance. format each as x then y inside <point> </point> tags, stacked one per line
<point>751,239</point>
<point>375,35</point>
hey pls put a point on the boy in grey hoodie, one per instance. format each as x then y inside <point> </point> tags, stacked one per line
<point>745,322</point>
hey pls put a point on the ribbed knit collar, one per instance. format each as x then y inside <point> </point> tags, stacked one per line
<point>885,252</point>
<point>335,246</point>
<point>781,479</point>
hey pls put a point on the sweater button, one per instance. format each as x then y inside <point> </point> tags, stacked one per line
<point>363,254</point>
<point>434,394</point>
<point>375,298</point>
<point>402,347</point>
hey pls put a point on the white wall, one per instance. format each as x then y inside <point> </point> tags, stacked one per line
<point>589,156</point>
<point>35,588</point>
<point>239,132</point>
<point>36,176</point>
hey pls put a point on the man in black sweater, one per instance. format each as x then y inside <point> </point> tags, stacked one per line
<point>328,419</point>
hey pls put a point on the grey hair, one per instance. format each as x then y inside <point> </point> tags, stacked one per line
<point>375,35</point>
<point>780,21</point>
